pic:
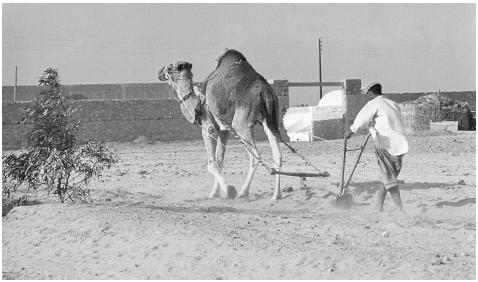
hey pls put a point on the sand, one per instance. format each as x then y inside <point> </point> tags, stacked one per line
<point>151,219</point>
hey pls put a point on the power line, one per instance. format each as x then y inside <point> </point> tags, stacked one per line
<point>138,49</point>
<point>403,49</point>
<point>398,52</point>
<point>154,42</point>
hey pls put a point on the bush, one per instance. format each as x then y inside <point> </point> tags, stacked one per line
<point>54,157</point>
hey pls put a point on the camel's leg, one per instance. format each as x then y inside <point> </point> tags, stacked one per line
<point>247,139</point>
<point>223,136</point>
<point>210,134</point>
<point>276,156</point>
<point>215,190</point>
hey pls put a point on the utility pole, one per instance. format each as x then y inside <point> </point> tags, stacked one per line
<point>320,65</point>
<point>15,87</point>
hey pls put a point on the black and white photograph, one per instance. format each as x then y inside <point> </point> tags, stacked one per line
<point>239,141</point>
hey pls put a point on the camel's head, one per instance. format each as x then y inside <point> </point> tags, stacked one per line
<point>179,76</point>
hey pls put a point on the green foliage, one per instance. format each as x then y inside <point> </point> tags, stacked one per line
<point>54,158</point>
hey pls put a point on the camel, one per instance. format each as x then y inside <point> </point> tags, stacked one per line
<point>232,97</point>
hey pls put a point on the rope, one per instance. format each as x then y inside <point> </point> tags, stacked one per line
<point>217,71</point>
<point>295,151</point>
<point>258,158</point>
<point>171,82</point>
<point>327,141</point>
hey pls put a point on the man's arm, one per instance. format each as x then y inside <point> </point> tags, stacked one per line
<point>363,118</point>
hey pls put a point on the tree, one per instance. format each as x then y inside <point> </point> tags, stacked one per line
<point>54,156</point>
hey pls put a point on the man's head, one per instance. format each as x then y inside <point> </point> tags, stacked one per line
<point>373,89</point>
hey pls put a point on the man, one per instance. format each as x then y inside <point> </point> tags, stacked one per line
<point>384,121</point>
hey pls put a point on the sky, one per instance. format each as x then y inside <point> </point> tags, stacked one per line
<point>406,47</point>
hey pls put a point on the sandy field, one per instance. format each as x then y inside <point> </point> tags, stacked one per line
<point>151,219</point>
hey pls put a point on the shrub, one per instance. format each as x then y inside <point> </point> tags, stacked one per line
<point>54,157</point>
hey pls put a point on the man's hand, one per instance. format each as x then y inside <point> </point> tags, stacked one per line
<point>348,133</point>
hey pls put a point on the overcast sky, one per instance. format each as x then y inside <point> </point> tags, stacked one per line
<point>407,47</point>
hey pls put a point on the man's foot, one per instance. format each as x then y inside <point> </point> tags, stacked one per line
<point>404,212</point>
<point>399,211</point>
<point>382,193</point>
<point>378,208</point>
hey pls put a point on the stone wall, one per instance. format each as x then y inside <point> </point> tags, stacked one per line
<point>465,96</point>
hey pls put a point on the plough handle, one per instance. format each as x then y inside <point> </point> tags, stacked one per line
<point>362,148</point>
<point>341,192</point>
<point>358,159</point>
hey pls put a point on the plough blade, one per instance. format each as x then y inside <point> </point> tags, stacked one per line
<point>300,174</point>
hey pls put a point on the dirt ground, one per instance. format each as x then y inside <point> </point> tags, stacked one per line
<point>152,219</point>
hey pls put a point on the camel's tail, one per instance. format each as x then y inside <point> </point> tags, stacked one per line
<point>270,108</point>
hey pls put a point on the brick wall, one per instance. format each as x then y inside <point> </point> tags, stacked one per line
<point>95,91</point>
<point>111,120</point>
<point>328,122</point>
<point>114,91</point>
<point>119,119</point>
<point>354,103</point>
